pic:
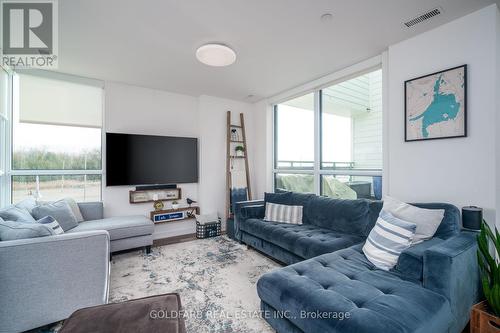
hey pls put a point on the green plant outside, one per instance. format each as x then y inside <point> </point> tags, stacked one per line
<point>489,266</point>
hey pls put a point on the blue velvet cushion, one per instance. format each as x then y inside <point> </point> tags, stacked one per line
<point>345,216</point>
<point>303,240</point>
<point>281,198</point>
<point>345,281</point>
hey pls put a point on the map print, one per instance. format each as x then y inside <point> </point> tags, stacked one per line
<point>435,105</point>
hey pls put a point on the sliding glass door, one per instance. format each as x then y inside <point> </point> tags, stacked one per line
<point>329,142</point>
<point>294,144</point>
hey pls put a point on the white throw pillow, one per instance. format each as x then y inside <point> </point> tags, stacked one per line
<point>427,220</point>
<point>283,213</point>
<point>51,224</point>
<point>389,237</point>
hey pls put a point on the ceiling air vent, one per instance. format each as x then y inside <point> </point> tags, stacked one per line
<point>424,17</point>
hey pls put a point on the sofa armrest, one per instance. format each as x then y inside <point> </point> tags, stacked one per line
<point>253,212</point>
<point>91,210</point>
<point>451,269</point>
<point>44,280</point>
<point>244,210</point>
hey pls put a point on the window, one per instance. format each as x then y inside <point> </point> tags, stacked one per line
<point>294,144</point>
<point>5,107</point>
<point>56,139</point>
<point>348,138</point>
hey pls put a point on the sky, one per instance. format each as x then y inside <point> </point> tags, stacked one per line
<point>296,136</point>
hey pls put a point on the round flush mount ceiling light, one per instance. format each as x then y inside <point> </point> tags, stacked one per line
<point>326,17</point>
<point>215,54</point>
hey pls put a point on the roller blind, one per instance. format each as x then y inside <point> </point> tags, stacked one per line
<point>44,100</point>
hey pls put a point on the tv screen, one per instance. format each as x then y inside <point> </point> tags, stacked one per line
<point>146,159</point>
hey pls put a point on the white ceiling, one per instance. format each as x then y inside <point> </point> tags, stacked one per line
<point>280,43</point>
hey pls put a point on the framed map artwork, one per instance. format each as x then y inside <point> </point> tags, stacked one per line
<point>436,105</point>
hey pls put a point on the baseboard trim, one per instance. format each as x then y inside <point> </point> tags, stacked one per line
<point>174,239</point>
<point>177,239</point>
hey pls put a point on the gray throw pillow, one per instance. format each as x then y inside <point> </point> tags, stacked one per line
<point>60,211</point>
<point>28,203</point>
<point>10,230</point>
<point>17,214</point>
<point>72,204</point>
<point>75,209</point>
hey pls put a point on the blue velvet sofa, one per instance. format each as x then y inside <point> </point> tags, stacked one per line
<point>330,286</point>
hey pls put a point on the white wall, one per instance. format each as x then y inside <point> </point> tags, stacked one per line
<point>497,93</point>
<point>461,171</point>
<point>132,109</point>
<point>213,113</point>
<point>263,148</point>
<point>136,110</point>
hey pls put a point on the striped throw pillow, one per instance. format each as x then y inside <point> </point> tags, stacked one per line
<point>51,224</point>
<point>283,213</point>
<point>389,237</point>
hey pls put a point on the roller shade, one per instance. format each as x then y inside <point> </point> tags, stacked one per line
<point>44,100</point>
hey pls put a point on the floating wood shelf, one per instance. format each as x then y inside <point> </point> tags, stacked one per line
<point>142,196</point>
<point>192,209</point>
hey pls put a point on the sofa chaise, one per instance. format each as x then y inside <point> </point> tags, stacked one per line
<point>125,232</point>
<point>45,279</point>
<point>330,286</point>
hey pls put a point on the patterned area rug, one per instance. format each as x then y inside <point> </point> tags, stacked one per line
<point>215,278</point>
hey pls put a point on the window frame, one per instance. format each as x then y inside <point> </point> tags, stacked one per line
<point>5,146</point>
<point>318,172</point>
<point>26,172</point>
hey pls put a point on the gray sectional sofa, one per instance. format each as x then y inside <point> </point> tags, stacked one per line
<point>125,232</point>
<point>431,289</point>
<point>45,279</point>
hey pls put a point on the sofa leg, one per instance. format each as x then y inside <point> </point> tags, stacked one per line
<point>148,249</point>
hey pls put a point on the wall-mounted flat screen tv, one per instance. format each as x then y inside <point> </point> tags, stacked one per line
<point>133,159</point>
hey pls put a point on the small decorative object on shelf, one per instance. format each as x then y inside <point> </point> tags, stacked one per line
<point>208,225</point>
<point>171,215</point>
<point>190,201</point>
<point>175,204</point>
<point>240,150</point>
<point>234,135</point>
<point>158,204</point>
